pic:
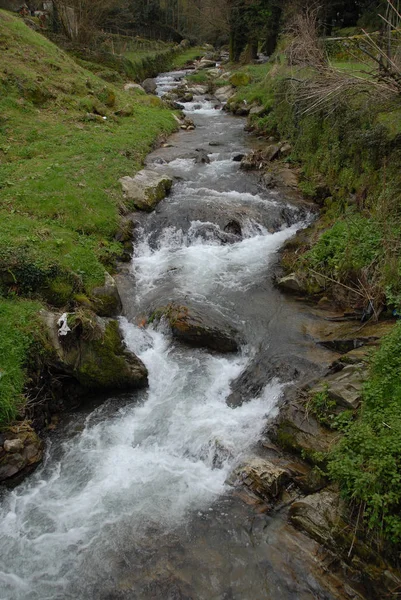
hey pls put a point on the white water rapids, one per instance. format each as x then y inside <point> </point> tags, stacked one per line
<point>163,455</point>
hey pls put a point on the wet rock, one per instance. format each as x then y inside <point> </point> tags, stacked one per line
<point>199,326</point>
<point>106,299</point>
<point>201,157</point>
<point>263,478</point>
<point>20,453</point>
<point>90,349</point>
<point>209,231</point>
<point>290,283</point>
<point>149,85</point>
<point>233,227</point>
<point>258,159</point>
<point>238,157</point>
<point>296,430</point>
<point>344,387</point>
<point>318,515</point>
<point>146,189</point>
<point>215,143</point>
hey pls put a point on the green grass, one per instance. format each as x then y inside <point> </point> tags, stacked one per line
<point>187,56</point>
<point>61,202</point>
<point>366,462</point>
<point>19,326</point>
<point>59,171</point>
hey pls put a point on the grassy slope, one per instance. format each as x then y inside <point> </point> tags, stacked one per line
<point>60,197</point>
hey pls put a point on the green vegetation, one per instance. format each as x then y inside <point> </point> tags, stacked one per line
<point>19,326</point>
<point>66,137</point>
<point>366,462</point>
<point>187,56</point>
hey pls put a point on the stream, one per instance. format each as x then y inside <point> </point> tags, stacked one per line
<point>132,500</point>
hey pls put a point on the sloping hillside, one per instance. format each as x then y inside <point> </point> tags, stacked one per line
<point>66,137</point>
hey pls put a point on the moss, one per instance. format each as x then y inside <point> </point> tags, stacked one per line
<point>105,364</point>
<point>240,79</point>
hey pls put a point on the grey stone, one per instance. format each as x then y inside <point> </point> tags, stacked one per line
<point>224,93</point>
<point>149,85</point>
<point>146,189</point>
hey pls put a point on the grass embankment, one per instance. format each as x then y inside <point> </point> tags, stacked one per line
<point>349,155</point>
<point>66,137</point>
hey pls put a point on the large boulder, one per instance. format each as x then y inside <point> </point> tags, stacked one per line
<point>106,298</point>
<point>91,350</point>
<point>149,85</point>
<point>21,450</point>
<point>263,478</point>
<point>199,326</point>
<point>146,189</point>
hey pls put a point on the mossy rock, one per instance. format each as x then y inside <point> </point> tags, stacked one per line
<point>240,79</point>
<point>93,352</point>
<point>105,299</point>
<point>146,189</point>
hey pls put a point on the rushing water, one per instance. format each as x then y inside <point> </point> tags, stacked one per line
<point>132,500</point>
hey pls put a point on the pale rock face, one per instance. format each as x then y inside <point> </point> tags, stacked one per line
<point>13,445</point>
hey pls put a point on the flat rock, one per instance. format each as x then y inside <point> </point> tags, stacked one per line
<point>348,335</point>
<point>146,189</point>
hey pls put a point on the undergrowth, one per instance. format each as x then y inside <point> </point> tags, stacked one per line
<point>366,462</point>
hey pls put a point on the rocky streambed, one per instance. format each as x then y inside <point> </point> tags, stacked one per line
<point>191,488</point>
